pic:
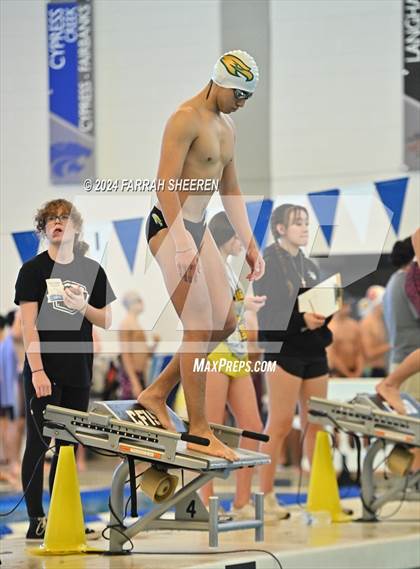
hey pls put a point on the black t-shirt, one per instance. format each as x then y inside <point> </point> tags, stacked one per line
<point>65,335</point>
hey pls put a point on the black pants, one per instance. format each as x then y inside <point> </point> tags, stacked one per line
<point>63,396</point>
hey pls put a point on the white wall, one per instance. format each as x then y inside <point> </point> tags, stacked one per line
<point>336,103</point>
<point>150,56</point>
<point>336,80</point>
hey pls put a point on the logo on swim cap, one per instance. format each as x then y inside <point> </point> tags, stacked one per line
<point>237,67</point>
<point>236,70</point>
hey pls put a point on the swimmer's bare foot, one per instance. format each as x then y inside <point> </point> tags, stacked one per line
<point>215,448</point>
<point>156,405</point>
<point>392,397</point>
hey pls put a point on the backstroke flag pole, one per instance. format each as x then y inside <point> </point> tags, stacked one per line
<point>71,91</point>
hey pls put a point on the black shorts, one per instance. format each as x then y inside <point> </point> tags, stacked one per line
<point>156,222</point>
<point>306,368</point>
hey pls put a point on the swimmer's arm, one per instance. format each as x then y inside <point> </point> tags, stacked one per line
<point>334,361</point>
<point>29,313</point>
<point>371,350</point>
<point>234,205</point>
<point>180,132</point>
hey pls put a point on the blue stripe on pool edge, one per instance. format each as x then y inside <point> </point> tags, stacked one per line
<point>96,502</point>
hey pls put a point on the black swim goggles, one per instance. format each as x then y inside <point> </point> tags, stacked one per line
<point>241,95</point>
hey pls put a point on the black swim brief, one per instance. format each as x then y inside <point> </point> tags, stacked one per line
<point>156,222</point>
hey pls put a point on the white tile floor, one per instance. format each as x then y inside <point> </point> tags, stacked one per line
<point>384,545</point>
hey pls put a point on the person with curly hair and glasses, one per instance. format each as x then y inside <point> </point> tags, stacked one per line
<point>61,294</point>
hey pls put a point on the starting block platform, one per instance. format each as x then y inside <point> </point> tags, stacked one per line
<point>135,434</point>
<point>370,416</point>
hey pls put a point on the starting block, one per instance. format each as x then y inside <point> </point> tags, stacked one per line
<point>370,415</point>
<point>129,430</point>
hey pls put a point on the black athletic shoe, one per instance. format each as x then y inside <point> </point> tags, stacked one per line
<point>36,528</point>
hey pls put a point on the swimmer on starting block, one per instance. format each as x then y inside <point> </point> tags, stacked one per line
<point>198,143</point>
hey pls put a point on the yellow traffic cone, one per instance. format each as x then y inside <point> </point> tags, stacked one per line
<point>65,531</point>
<point>323,493</point>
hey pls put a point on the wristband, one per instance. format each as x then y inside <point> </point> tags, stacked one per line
<point>36,370</point>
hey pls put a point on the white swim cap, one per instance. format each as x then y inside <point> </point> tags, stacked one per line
<point>236,70</point>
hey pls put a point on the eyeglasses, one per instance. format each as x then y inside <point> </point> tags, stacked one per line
<point>61,218</point>
<point>241,95</point>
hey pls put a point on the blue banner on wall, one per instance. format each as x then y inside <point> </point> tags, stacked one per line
<point>71,92</point>
<point>128,231</point>
<point>324,205</point>
<point>259,217</point>
<point>392,194</point>
<point>27,243</point>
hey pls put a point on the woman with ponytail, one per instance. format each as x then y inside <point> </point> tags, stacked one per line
<point>295,341</point>
<point>61,293</point>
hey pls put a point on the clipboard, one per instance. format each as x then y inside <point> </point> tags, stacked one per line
<point>326,298</point>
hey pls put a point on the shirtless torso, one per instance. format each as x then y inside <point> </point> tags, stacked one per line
<point>209,157</point>
<point>345,353</point>
<point>210,152</point>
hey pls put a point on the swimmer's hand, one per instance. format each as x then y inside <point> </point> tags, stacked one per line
<point>254,303</point>
<point>255,262</point>
<point>187,260</point>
